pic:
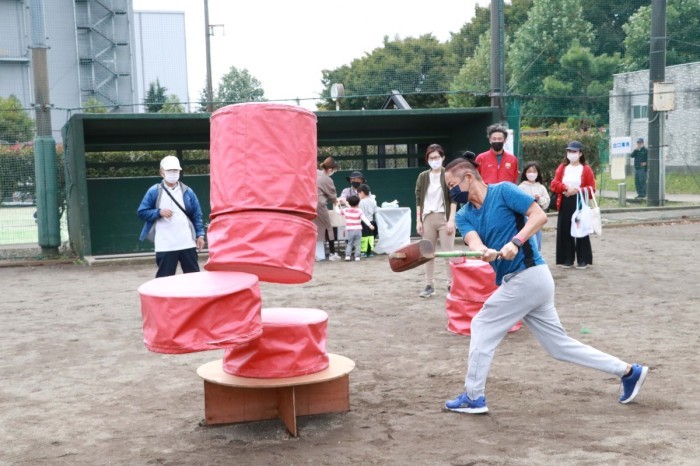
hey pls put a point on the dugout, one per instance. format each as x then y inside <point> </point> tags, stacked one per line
<point>387,145</point>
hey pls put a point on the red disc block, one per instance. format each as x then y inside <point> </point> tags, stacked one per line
<point>263,157</point>
<point>277,247</point>
<point>473,281</point>
<point>200,311</point>
<point>293,343</point>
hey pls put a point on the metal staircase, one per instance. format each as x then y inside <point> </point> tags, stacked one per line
<point>103,40</point>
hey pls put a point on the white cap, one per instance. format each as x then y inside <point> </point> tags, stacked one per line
<point>170,162</point>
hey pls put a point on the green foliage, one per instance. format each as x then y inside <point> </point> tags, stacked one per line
<point>463,44</point>
<point>172,105</point>
<point>585,80</point>
<point>549,150</point>
<point>155,97</point>
<point>540,43</point>
<point>236,86</point>
<point>418,68</point>
<point>15,123</point>
<point>142,163</point>
<point>473,83</point>
<point>608,18</point>
<point>92,105</point>
<point>682,26</point>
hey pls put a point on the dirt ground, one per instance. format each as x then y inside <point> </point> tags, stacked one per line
<point>79,387</point>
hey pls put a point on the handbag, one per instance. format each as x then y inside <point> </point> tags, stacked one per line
<point>596,219</point>
<point>581,225</point>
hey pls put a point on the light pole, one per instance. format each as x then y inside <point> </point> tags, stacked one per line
<point>207,33</point>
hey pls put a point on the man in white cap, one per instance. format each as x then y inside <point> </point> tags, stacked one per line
<point>173,219</point>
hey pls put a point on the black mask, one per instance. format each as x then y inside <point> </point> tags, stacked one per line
<point>497,146</point>
<point>459,196</point>
<point>355,184</point>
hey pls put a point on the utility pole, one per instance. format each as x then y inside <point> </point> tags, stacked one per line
<point>657,74</point>
<point>45,166</point>
<point>497,57</point>
<point>207,34</point>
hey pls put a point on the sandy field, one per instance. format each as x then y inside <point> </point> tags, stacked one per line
<point>80,388</point>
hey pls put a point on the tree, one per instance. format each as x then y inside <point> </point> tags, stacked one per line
<point>473,83</point>
<point>608,18</point>
<point>92,105</point>
<point>155,97</point>
<point>15,123</point>
<point>420,69</point>
<point>582,84</point>
<point>172,105</point>
<point>236,86</point>
<point>538,46</point>
<point>464,43</point>
<point>682,26</point>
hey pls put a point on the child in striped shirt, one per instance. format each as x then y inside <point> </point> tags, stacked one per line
<point>353,226</point>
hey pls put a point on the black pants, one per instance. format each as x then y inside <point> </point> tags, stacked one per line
<point>167,262</point>
<point>570,249</point>
<point>331,243</point>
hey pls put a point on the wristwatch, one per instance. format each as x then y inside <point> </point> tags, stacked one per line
<point>516,241</point>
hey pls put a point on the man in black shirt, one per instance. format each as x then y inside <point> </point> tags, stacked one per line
<point>640,169</point>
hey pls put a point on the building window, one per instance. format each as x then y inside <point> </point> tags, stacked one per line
<point>640,112</point>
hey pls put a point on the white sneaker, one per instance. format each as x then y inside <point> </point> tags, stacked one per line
<point>357,259</point>
<point>334,257</point>
<point>347,258</point>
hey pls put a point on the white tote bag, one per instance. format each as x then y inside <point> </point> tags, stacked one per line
<point>596,219</point>
<point>581,225</point>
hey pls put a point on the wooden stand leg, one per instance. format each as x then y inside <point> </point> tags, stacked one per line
<point>287,409</point>
<point>226,404</point>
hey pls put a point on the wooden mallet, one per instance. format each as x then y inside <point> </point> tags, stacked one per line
<point>420,252</point>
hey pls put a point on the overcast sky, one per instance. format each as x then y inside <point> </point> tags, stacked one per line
<point>286,44</point>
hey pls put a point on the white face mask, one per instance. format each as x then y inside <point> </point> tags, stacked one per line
<point>531,176</point>
<point>171,176</point>
<point>435,163</point>
<point>573,157</point>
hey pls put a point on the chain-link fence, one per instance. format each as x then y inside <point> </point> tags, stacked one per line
<point>572,69</point>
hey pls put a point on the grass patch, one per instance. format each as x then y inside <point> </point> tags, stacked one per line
<point>676,183</point>
<point>19,226</point>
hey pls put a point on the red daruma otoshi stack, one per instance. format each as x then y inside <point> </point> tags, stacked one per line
<point>263,191</point>
<point>473,282</point>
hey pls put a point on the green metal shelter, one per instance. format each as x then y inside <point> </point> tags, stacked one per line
<point>102,211</point>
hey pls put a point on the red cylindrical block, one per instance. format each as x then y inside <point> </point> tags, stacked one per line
<point>293,343</point>
<point>263,157</point>
<point>277,247</point>
<point>473,280</point>
<point>200,311</point>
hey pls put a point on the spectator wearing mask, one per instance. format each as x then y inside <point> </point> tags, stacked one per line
<point>496,165</point>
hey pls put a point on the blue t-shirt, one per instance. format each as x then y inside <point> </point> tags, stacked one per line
<point>501,216</point>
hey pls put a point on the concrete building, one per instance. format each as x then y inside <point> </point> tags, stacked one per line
<point>97,49</point>
<point>156,32</point>
<point>629,109</point>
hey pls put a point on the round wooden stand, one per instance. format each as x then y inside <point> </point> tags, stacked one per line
<point>230,399</point>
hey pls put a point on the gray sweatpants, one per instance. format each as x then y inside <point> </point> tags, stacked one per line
<point>527,296</point>
<point>353,242</point>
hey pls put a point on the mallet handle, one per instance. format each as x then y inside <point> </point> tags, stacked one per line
<point>478,254</point>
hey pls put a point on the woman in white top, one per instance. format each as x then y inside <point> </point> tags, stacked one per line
<point>573,173</point>
<point>435,213</point>
<point>531,183</point>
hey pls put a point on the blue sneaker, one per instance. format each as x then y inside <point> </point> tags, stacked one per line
<point>462,404</point>
<point>632,383</point>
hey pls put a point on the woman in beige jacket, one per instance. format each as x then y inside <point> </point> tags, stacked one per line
<point>435,213</point>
